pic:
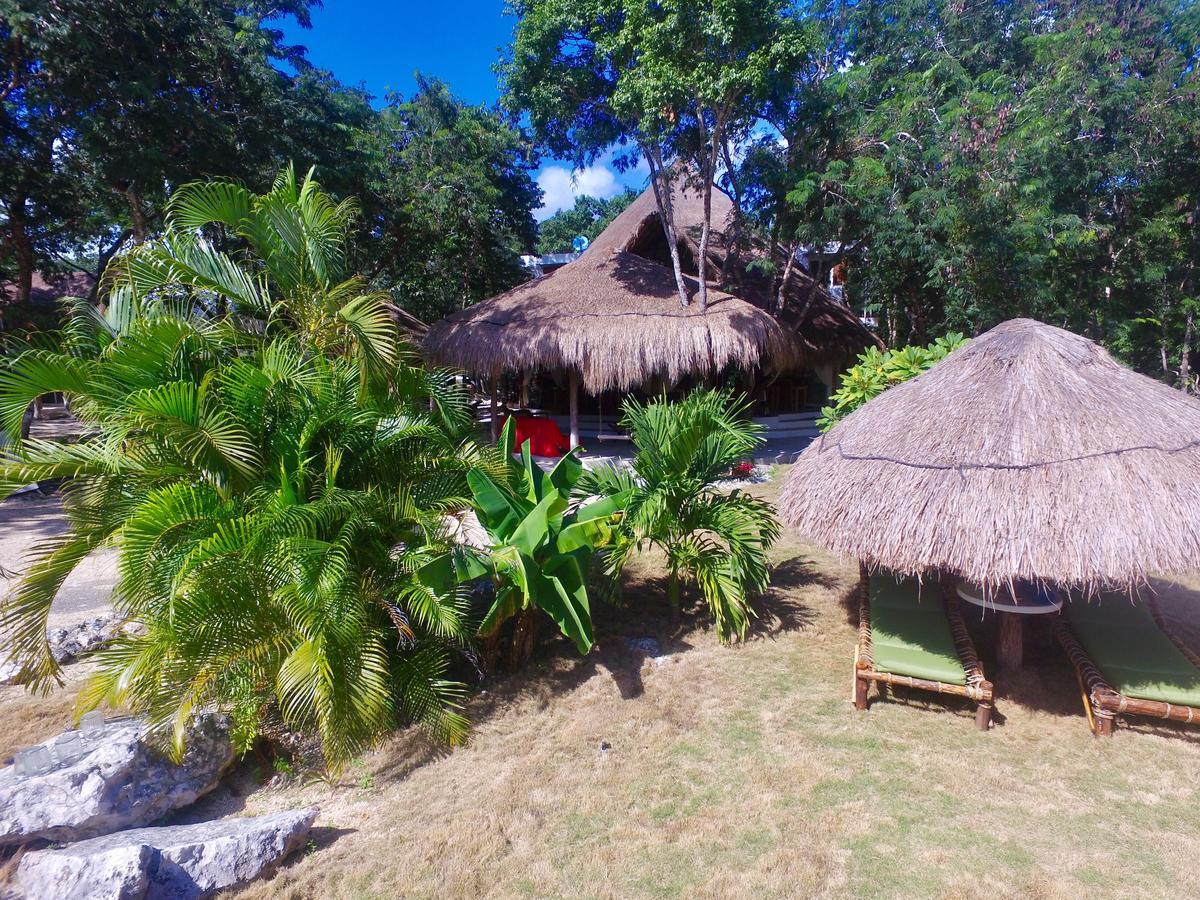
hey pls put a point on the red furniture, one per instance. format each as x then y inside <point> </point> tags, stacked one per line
<point>544,436</point>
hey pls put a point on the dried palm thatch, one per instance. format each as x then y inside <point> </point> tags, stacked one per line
<point>1029,453</point>
<point>614,315</point>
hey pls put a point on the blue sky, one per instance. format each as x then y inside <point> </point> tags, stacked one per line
<point>379,45</point>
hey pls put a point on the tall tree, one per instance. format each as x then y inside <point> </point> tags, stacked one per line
<point>451,200</point>
<point>576,69</point>
<point>710,66</point>
<point>674,78</point>
<point>1023,158</point>
<point>106,105</point>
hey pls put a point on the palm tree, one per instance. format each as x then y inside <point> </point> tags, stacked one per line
<point>269,520</point>
<point>272,470</point>
<point>279,260</point>
<point>718,539</point>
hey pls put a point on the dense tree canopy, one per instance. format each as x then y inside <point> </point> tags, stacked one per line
<point>452,201</point>
<point>106,107</point>
<point>671,79</point>
<point>968,163</point>
<point>1024,158</point>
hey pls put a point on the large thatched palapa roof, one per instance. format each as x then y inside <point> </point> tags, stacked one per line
<point>1028,453</point>
<point>614,314</point>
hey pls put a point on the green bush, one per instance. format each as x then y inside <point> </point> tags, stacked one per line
<point>543,539</point>
<point>877,370</point>
<point>672,499</point>
<point>272,473</point>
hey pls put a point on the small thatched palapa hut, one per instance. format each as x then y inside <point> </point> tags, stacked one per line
<point>1027,454</point>
<point>613,322</point>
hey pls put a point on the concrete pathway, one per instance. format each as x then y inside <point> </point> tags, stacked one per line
<point>27,522</point>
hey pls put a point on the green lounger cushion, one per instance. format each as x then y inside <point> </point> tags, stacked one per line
<point>1136,658</point>
<point>909,632</point>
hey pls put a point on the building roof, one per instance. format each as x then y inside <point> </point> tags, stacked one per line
<point>1029,453</point>
<point>614,313</point>
<point>48,289</point>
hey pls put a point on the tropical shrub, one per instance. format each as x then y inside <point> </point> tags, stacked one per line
<point>271,470</point>
<point>542,539</point>
<point>672,500</point>
<point>877,370</point>
<point>268,518</point>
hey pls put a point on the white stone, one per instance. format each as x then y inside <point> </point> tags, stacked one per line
<point>121,782</point>
<point>180,862</point>
<point>68,643</point>
<point>9,672</point>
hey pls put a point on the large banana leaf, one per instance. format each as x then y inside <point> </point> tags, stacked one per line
<point>563,594</point>
<point>499,510</point>
<point>533,532</point>
<point>587,533</point>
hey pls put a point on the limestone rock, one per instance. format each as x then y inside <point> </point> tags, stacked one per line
<point>178,862</point>
<point>120,782</point>
<point>68,643</point>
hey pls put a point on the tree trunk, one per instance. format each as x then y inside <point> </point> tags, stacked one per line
<point>18,222</point>
<point>660,180</point>
<point>105,257</point>
<point>524,637</point>
<point>137,216</point>
<point>702,262</point>
<point>673,597</point>
<point>788,268</point>
<point>491,652</point>
<point>1185,352</point>
<point>709,173</point>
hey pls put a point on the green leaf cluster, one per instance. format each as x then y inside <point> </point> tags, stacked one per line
<point>877,370</point>
<point>542,536</point>
<point>715,538</point>
<point>272,470</point>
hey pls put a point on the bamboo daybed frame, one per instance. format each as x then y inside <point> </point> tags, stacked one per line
<point>977,687</point>
<point>1101,701</point>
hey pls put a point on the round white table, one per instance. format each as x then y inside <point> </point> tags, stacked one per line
<point>1029,600</point>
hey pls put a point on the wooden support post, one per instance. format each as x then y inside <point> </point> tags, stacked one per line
<point>983,716</point>
<point>525,390</point>
<point>495,387</point>
<point>1104,724</point>
<point>1010,640</point>
<point>860,692</point>
<point>574,379</point>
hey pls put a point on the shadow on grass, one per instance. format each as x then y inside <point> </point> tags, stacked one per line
<point>779,609</point>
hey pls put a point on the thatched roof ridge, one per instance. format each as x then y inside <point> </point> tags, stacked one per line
<point>1029,453</point>
<point>614,315</point>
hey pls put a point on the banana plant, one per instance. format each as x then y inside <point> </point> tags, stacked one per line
<point>543,540</point>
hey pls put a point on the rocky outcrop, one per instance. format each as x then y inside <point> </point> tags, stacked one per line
<point>179,862</point>
<point>120,782</point>
<point>68,643</point>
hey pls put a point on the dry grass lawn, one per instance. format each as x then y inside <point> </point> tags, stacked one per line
<point>745,772</point>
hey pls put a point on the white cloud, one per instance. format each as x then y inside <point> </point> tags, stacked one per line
<point>560,186</point>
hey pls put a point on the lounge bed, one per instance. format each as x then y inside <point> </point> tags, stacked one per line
<point>1127,662</point>
<point>918,640</point>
